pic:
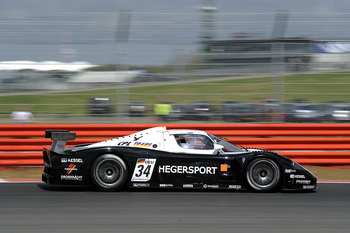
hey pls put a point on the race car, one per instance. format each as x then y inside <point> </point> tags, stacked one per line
<point>170,158</point>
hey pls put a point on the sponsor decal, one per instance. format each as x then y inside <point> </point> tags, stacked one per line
<point>224,167</point>
<point>141,185</point>
<point>166,185</point>
<point>137,138</point>
<point>289,170</point>
<point>71,177</point>
<point>71,160</point>
<point>187,185</point>
<point>124,143</point>
<point>302,181</point>
<point>213,186</point>
<point>187,170</point>
<point>294,176</point>
<point>70,168</point>
<point>309,186</point>
<point>143,170</point>
<point>237,187</point>
<point>142,144</point>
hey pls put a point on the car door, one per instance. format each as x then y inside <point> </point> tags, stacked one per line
<point>197,163</point>
<point>205,170</point>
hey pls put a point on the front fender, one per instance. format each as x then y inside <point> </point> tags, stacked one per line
<point>294,176</point>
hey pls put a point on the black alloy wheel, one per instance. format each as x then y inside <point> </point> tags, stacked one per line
<point>263,175</point>
<point>109,173</point>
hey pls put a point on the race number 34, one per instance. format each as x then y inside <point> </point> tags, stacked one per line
<point>143,170</point>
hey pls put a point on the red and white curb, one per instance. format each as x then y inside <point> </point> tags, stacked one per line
<point>23,180</point>
<point>334,181</point>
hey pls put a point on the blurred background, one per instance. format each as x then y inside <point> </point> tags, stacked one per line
<point>207,61</point>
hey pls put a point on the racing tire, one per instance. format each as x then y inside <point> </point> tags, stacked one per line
<point>263,175</point>
<point>109,173</point>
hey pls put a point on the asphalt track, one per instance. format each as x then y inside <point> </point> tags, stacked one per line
<point>35,207</point>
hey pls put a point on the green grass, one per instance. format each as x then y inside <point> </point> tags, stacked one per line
<point>313,87</point>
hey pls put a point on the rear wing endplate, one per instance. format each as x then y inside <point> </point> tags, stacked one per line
<point>59,138</point>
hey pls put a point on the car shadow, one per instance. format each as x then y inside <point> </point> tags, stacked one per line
<point>90,188</point>
<point>66,188</point>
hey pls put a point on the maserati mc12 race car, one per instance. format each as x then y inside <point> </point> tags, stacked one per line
<point>162,158</point>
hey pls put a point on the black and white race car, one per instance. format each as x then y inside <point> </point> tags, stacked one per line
<point>161,158</point>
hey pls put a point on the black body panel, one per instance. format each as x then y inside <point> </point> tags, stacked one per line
<point>172,170</point>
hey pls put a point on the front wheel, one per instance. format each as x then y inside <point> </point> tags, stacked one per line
<point>263,175</point>
<point>109,173</point>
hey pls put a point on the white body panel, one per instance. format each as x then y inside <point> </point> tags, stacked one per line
<point>157,138</point>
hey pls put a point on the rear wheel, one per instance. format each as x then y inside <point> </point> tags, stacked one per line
<point>263,175</point>
<point>109,173</point>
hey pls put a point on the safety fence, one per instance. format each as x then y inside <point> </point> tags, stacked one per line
<point>308,144</point>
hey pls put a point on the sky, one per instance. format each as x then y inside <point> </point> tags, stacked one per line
<point>178,6</point>
<point>160,31</point>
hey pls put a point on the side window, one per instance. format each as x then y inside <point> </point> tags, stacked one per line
<point>194,141</point>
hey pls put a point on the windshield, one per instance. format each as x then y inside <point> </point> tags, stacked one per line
<point>194,141</point>
<point>228,147</point>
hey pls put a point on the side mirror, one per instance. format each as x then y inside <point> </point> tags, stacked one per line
<point>217,148</point>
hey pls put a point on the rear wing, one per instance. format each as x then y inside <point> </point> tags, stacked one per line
<point>59,138</point>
